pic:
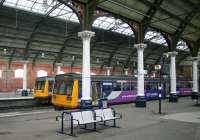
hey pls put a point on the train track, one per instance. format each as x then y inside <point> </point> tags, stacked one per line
<point>18,105</point>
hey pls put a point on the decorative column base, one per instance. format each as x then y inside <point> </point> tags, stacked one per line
<point>140,101</point>
<point>195,95</point>
<point>173,98</point>
<point>86,104</point>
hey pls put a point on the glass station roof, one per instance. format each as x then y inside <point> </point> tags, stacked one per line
<point>55,9</point>
<point>43,7</point>
<point>181,45</point>
<point>155,37</point>
<point>113,24</point>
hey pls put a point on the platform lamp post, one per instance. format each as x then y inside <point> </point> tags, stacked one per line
<point>86,101</point>
<point>160,87</point>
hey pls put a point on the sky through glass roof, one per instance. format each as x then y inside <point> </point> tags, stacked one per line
<point>64,12</point>
<point>155,37</point>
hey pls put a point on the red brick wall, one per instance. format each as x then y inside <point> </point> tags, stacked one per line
<point>8,82</point>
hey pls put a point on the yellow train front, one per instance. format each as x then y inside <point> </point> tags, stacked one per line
<point>65,94</point>
<point>44,88</point>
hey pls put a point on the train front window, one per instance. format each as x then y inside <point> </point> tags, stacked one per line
<point>40,85</point>
<point>69,87</point>
<point>56,86</point>
<point>64,87</point>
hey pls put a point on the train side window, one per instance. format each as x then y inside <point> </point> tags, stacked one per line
<point>116,86</point>
<point>107,87</point>
<point>188,85</point>
<point>131,86</point>
<point>126,86</point>
<point>179,85</point>
<point>148,87</point>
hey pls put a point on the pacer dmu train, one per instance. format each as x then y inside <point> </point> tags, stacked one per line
<point>117,89</point>
<point>44,88</point>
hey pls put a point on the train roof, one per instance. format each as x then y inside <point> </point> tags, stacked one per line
<point>49,78</point>
<point>100,77</point>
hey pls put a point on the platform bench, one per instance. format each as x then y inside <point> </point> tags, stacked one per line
<point>107,114</point>
<point>79,118</point>
<point>82,118</point>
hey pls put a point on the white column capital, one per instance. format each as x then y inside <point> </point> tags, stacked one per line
<point>59,64</point>
<point>174,53</point>
<point>24,61</point>
<point>108,68</point>
<point>85,35</point>
<point>140,46</point>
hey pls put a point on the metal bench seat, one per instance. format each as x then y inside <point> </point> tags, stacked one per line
<point>79,118</point>
<point>107,115</point>
<point>83,117</point>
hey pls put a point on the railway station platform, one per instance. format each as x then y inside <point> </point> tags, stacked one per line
<point>10,100</point>
<point>17,94</point>
<point>179,121</point>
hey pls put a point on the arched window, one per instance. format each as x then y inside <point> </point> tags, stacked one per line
<point>181,45</point>
<point>19,73</point>
<point>0,73</point>
<point>41,73</point>
<point>113,24</point>
<point>155,37</point>
<point>42,7</point>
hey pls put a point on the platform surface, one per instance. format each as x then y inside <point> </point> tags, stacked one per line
<point>13,95</point>
<point>180,121</point>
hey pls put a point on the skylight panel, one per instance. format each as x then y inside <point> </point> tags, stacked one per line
<point>155,37</point>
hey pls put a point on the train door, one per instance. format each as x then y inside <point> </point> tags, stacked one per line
<point>96,92</point>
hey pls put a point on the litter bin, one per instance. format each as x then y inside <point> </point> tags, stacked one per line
<point>103,103</point>
<point>24,93</point>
